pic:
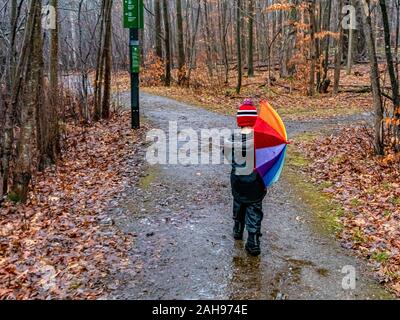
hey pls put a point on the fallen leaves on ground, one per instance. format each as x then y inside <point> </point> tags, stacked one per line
<point>286,95</point>
<point>368,188</point>
<point>290,107</point>
<point>62,244</point>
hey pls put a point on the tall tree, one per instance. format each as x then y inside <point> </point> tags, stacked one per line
<point>374,73</point>
<point>157,9</point>
<point>208,39</point>
<point>390,63</point>
<point>239,45</point>
<point>167,44</point>
<point>15,11</point>
<point>14,84</point>
<point>224,25</point>
<point>313,54</point>
<point>49,146</point>
<point>389,56</point>
<point>107,60</point>
<point>289,40</point>
<point>250,58</point>
<point>181,49</point>
<point>193,43</point>
<point>99,77</point>
<point>397,38</point>
<point>339,49</point>
<point>102,94</point>
<point>32,100</point>
<point>327,21</point>
<point>350,49</point>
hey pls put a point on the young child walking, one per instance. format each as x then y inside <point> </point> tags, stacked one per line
<point>248,189</point>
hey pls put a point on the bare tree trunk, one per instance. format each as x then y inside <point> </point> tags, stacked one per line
<point>167,44</point>
<point>389,57</point>
<point>376,90</point>
<point>397,112</point>
<point>207,40</point>
<point>339,50</point>
<point>99,77</point>
<point>313,57</point>
<point>49,146</point>
<point>17,82</point>
<point>318,26</point>
<point>193,43</point>
<point>7,134</point>
<point>396,50</point>
<point>327,27</point>
<point>392,72</point>
<point>289,42</point>
<point>23,162</point>
<point>105,112</point>
<point>350,52</point>
<point>157,9</point>
<point>239,45</point>
<point>181,50</point>
<point>72,22</point>
<point>13,32</point>
<point>83,67</point>
<point>224,33</point>
<point>350,49</point>
<point>251,39</point>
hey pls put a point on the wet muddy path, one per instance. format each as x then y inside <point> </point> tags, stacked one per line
<point>183,248</point>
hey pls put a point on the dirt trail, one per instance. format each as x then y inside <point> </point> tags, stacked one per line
<point>181,216</point>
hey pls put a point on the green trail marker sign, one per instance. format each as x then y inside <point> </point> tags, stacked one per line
<point>135,58</point>
<point>133,14</point>
<point>134,20</point>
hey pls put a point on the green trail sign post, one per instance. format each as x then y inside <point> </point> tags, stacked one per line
<point>133,14</point>
<point>135,59</point>
<point>133,20</point>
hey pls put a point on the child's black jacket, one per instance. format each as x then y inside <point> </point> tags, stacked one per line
<point>245,188</point>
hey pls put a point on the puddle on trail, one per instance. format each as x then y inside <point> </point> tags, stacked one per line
<point>183,248</point>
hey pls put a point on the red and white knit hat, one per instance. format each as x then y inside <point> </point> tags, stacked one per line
<point>247,114</point>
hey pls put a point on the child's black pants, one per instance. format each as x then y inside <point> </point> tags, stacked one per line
<point>249,213</point>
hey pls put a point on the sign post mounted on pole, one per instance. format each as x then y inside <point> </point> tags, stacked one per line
<point>134,20</point>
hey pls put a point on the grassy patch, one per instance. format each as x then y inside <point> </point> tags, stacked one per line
<point>323,207</point>
<point>296,159</point>
<point>380,256</point>
<point>387,185</point>
<point>325,184</point>
<point>337,159</point>
<point>355,202</point>
<point>148,178</point>
<point>395,201</point>
<point>306,136</point>
<point>387,213</point>
<point>12,196</point>
<point>358,236</point>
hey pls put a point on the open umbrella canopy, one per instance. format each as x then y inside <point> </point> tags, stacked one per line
<point>270,141</point>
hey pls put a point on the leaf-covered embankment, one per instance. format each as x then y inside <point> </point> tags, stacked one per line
<point>368,189</point>
<point>62,244</point>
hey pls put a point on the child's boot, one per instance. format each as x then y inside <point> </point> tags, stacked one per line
<point>253,244</point>
<point>238,230</point>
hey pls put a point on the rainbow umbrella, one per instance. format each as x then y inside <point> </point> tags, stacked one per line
<point>270,142</point>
